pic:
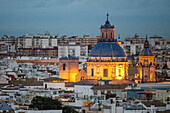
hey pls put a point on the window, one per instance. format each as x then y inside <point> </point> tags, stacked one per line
<point>64,66</point>
<point>95,92</point>
<point>106,35</point>
<point>98,69</point>
<point>105,72</point>
<point>102,35</point>
<point>111,35</point>
<point>83,111</point>
<point>119,72</point>
<point>92,71</point>
<point>102,92</point>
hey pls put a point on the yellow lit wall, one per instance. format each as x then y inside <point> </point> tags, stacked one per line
<point>145,69</point>
<point>116,70</point>
<point>71,69</point>
<point>110,33</point>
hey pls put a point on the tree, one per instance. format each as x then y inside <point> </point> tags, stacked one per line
<point>45,103</point>
<point>67,109</point>
<point>110,95</point>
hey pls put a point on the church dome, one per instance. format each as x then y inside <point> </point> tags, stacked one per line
<point>107,49</point>
<point>146,51</point>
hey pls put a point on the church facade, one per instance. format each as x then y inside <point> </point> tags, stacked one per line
<point>146,65</point>
<point>107,59</point>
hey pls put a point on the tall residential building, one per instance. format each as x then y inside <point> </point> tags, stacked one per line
<point>8,44</point>
<point>133,45</point>
<point>37,41</point>
<point>41,52</point>
<point>86,40</point>
<point>73,49</point>
<point>153,39</point>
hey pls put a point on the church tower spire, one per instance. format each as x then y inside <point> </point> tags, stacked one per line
<point>107,31</point>
<point>146,44</point>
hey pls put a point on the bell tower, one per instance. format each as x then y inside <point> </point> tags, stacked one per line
<point>107,32</point>
<point>146,65</point>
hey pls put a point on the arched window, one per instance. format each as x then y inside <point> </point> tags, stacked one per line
<point>92,72</point>
<point>82,78</point>
<point>64,66</point>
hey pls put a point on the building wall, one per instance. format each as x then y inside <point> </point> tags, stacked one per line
<point>69,68</point>
<point>80,51</point>
<point>43,52</point>
<point>55,85</point>
<point>162,95</point>
<point>28,42</point>
<point>132,49</point>
<point>83,90</point>
<point>97,68</point>
<point>53,42</point>
<point>107,33</point>
<point>145,70</point>
<point>40,62</point>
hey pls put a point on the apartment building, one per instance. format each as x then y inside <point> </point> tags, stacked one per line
<point>77,50</point>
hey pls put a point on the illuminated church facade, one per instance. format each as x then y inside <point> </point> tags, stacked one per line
<point>146,64</point>
<point>107,59</point>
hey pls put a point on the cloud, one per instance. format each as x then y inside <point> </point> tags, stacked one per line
<point>84,16</point>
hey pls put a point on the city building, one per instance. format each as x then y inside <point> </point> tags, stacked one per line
<point>146,65</point>
<point>41,52</point>
<point>73,49</point>
<point>38,61</point>
<point>133,46</point>
<point>132,49</point>
<point>153,39</point>
<point>69,68</point>
<point>86,40</point>
<point>8,46</point>
<point>37,41</point>
<point>107,59</point>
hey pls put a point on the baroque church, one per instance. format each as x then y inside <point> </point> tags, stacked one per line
<point>146,64</point>
<point>107,59</point>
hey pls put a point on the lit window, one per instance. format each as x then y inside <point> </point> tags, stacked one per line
<point>105,72</point>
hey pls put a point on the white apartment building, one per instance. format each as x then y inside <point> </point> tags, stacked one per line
<point>80,51</point>
<point>28,42</point>
<point>83,90</point>
<point>153,39</point>
<point>53,41</point>
<point>132,49</point>
<point>37,41</point>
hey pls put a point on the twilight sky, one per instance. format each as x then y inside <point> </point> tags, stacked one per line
<point>84,17</point>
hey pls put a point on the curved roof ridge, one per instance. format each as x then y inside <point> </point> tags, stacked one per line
<point>107,49</point>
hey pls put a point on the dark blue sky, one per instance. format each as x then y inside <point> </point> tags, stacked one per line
<point>80,17</point>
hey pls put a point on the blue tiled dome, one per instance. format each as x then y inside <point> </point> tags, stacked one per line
<point>146,52</point>
<point>107,49</point>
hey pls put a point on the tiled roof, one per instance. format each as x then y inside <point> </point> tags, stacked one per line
<point>146,52</point>
<point>156,103</point>
<point>4,106</point>
<point>83,82</point>
<point>106,49</point>
<point>96,87</point>
<point>53,78</point>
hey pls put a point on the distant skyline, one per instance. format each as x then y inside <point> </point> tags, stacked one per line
<point>84,17</point>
